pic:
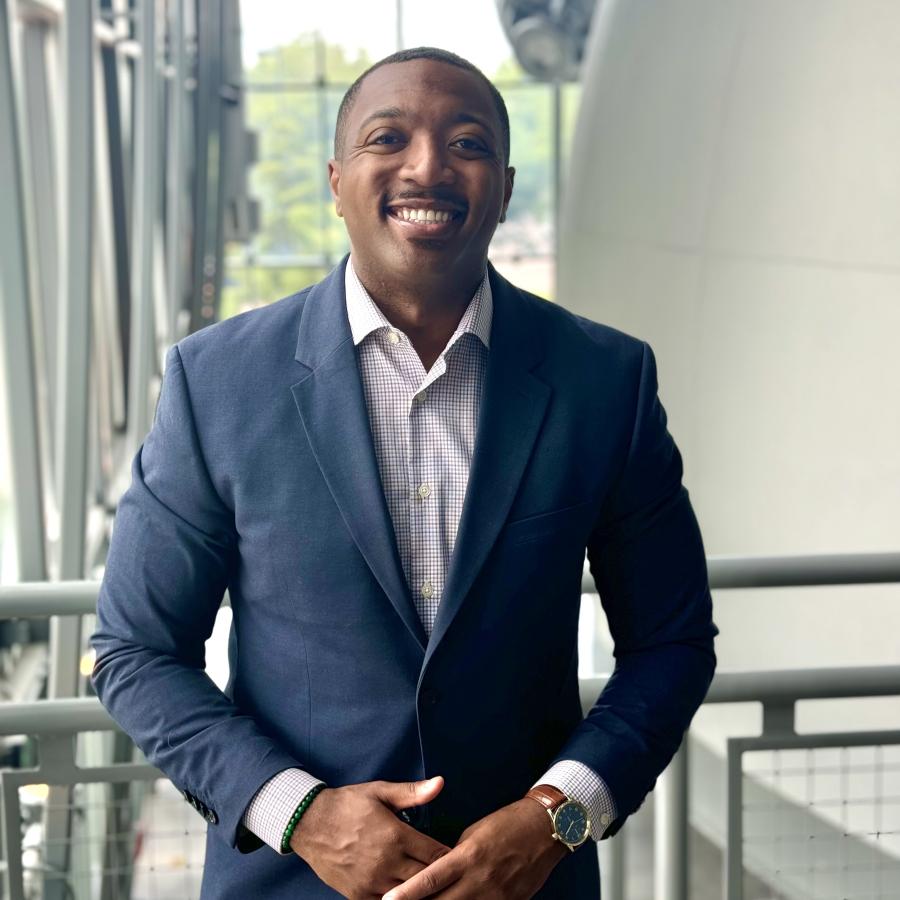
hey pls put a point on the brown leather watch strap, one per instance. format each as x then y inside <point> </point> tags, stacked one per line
<point>548,796</point>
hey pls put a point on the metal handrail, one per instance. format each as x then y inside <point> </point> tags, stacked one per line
<point>70,716</point>
<point>39,599</point>
<point>803,571</point>
<point>776,690</point>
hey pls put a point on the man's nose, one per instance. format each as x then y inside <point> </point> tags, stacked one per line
<point>427,162</point>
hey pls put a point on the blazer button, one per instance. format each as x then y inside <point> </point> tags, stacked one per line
<point>430,697</point>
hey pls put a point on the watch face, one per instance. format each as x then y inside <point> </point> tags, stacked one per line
<point>571,822</point>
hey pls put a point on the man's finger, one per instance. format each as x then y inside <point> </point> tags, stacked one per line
<point>422,848</point>
<point>404,794</point>
<point>439,875</point>
<point>406,868</point>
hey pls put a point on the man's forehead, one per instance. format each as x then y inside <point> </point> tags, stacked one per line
<point>405,86</point>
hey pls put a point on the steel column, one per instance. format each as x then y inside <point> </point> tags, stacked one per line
<point>733,870</point>
<point>75,331</point>
<point>73,373</point>
<point>146,168</point>
<point>670,824</point>
<point>177,183</point>
<point>612,867</point>
<point>18,354</point>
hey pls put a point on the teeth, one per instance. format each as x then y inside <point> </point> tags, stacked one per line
<point>423,215</point>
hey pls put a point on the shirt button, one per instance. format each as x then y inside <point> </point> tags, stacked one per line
<point>424,490</point>
<point>393,337</point>
<point>421,397</point>
<point>604,819</point>
<point>427,590</point>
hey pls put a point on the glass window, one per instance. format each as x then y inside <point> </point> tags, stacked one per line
<point>298,64</point>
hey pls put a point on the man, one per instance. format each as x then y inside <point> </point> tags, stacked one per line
<point>396,474</point>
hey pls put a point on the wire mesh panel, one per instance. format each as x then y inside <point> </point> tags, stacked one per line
<point>822,822</point>
<point>128,841</point>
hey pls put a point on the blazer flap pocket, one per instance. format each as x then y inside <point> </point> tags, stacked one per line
<point>557,521</point>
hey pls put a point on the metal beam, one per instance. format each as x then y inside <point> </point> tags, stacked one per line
<point>177,172</point>
<point>804,571</point>
<point>55,717</point>
<point>72,389</point>
<point>85,713</point>
<point>726,572</point>
<point>670,822</point>
<point>146,176</point>
<point>783,685</point>
<point>18,355</point>
<point>74,331</point>
<point>48,598</point>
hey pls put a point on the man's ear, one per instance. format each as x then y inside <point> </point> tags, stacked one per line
<point>507,191</point>
<point>334,182</point>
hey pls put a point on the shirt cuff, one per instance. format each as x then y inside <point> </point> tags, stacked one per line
<point>271,808</point>
<point>582,783</point>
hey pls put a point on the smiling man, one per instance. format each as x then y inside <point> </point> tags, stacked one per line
<point>396,474</point>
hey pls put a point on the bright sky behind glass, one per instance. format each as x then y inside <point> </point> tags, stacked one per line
<point>468,27</point>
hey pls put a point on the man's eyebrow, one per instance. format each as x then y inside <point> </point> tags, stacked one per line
<point>465,118</point>
<point>389,112</point>
<point>394,112</point>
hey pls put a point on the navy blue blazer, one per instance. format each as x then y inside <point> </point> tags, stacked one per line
<point>259,476</point>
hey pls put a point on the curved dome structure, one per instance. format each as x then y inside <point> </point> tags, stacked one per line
<point>734,199</point>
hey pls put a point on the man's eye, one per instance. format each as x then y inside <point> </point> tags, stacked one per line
<point>385,139</point>
<point>470,144</point>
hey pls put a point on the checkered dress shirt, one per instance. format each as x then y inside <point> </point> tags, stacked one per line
<point>423,426</point>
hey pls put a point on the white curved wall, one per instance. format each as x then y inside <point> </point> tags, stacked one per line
<point>733,197</point>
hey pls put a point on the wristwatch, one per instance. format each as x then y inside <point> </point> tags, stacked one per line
<point>571,822</point>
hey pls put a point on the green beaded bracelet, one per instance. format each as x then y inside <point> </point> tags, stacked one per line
<point>295,818</point>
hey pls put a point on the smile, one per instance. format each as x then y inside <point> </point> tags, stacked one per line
<point>423,216</point>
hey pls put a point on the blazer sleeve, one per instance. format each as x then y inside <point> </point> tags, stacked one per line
<point>172,545</point>
<point>647,559</point>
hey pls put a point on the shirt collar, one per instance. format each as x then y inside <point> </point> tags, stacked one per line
<point>365,316</point>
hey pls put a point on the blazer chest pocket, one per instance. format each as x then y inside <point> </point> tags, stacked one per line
<point>544,526</point>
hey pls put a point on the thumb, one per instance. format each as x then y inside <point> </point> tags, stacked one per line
<point>403,794</point>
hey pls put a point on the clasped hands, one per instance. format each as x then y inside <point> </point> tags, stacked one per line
<point>353,840</point>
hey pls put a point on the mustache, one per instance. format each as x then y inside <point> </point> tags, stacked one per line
<point>440,195</point>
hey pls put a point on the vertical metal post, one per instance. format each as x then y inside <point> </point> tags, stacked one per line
<point>557,177</point>
<point>73,373</point>
<point>208,176</point>
<point>612,867</point>
<point>671,830</point>
<point>142,339</point>
<point>12,836</point>
<point>38,122</point>
<point>733,872</point>
<point>177,183</point>
<point>399,20</point>
<point>75,331</point>
<point>18,355</point>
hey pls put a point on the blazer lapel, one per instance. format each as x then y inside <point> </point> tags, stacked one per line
<point>512,409</point>
<point>332,405</point>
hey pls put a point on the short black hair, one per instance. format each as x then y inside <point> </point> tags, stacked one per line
<point>401,56</point>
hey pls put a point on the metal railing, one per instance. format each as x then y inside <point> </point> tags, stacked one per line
<point>55,721</point>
